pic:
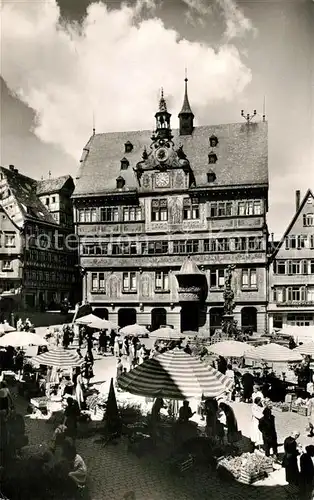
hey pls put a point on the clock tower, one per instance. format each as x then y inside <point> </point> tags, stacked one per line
<point>165,166</point>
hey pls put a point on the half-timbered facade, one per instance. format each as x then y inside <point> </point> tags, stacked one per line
<point>37,263</point>
<point>291,272</point>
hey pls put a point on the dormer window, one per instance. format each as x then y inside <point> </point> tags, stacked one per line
<point>213,141</point>
<point>120,182</point>
<point>212,157</point>
<point>124,164</point>
<point>128,147</point>
<point>211,176</point>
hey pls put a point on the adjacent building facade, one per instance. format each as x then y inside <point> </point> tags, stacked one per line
<point>291,272</point>
<point>160,216</point>
<point>37,267</point>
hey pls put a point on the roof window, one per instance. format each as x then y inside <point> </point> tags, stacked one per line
<point>211,176</point>
<point>212,157</point>
<point>124,164</point>
<point>120,182</point>
<point>128,147</point>
<point>213,141</point>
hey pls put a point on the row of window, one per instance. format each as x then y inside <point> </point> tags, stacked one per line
<point>212,245</point>
<point>161,280</point>
<point>293,320</point>
<point>308,220</point>
<point>293,294</point>
<point>46,238</point>
<point>294,267</point>
<point>40,256</point>
<point>300,241</point>
<point>49,277</point>
<point>159,211</point>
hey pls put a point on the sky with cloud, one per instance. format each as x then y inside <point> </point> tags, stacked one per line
<point>66,64</point>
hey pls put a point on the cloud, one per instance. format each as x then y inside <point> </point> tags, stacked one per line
<point>197,11</point>
<point>113,65</point>
<point>237,25</point>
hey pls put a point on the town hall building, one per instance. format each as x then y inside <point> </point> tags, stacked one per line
<point>160,216</point>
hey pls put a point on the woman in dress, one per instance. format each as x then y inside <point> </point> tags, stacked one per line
<point>116,347</point>
<point>6,401</point>
<point>79,385</point>
<point>257,414</point>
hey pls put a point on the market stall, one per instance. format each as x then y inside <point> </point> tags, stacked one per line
<point>59,375</point>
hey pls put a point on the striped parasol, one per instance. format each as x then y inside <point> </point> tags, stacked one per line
<point>274,353</point>
<point>59,357</point>
<point>229,348</point>
<point>306,349</point>
<point>174,375</point>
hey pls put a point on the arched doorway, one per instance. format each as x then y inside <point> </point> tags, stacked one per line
<point>249,319</point>
<point>190,317</point>
<point>126,316</point>
<point>158,318</point>
<point>215,319</point>
<point>101,312</point>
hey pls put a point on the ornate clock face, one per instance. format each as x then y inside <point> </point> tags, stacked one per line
<point>162,179</point>
<point>162,154</point>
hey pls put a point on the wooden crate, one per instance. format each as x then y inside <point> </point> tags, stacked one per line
<point>304,410</point>
<point>247,477</point>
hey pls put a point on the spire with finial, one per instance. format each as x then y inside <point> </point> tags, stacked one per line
<point>162,102</point>
<point>186,115</point>
<point>163,129</point>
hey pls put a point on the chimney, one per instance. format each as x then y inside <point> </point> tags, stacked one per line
<point>297,200</point>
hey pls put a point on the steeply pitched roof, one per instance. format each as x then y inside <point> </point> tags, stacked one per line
<point>24,191</point>
<point>242,157</point>
<point>308,194</point>
<point>186,108</point>
<point>51,185</point>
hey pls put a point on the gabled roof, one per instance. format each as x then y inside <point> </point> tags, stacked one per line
<point>242,155</point>
<point>49,186</point>
<point>308,194</point>
<point>23,189</point>
<point>3,210</point>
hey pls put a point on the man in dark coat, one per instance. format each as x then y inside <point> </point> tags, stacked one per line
<point>290,459</point>
<point>222,365</point>
<point>248,384</point>
<point>268,430</point>
<point>307,473</point>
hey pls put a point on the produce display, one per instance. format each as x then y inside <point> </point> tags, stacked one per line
<point>305,403</point>
<point>254,464</point>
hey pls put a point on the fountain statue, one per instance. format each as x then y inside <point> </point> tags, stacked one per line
<point>229,325</point>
